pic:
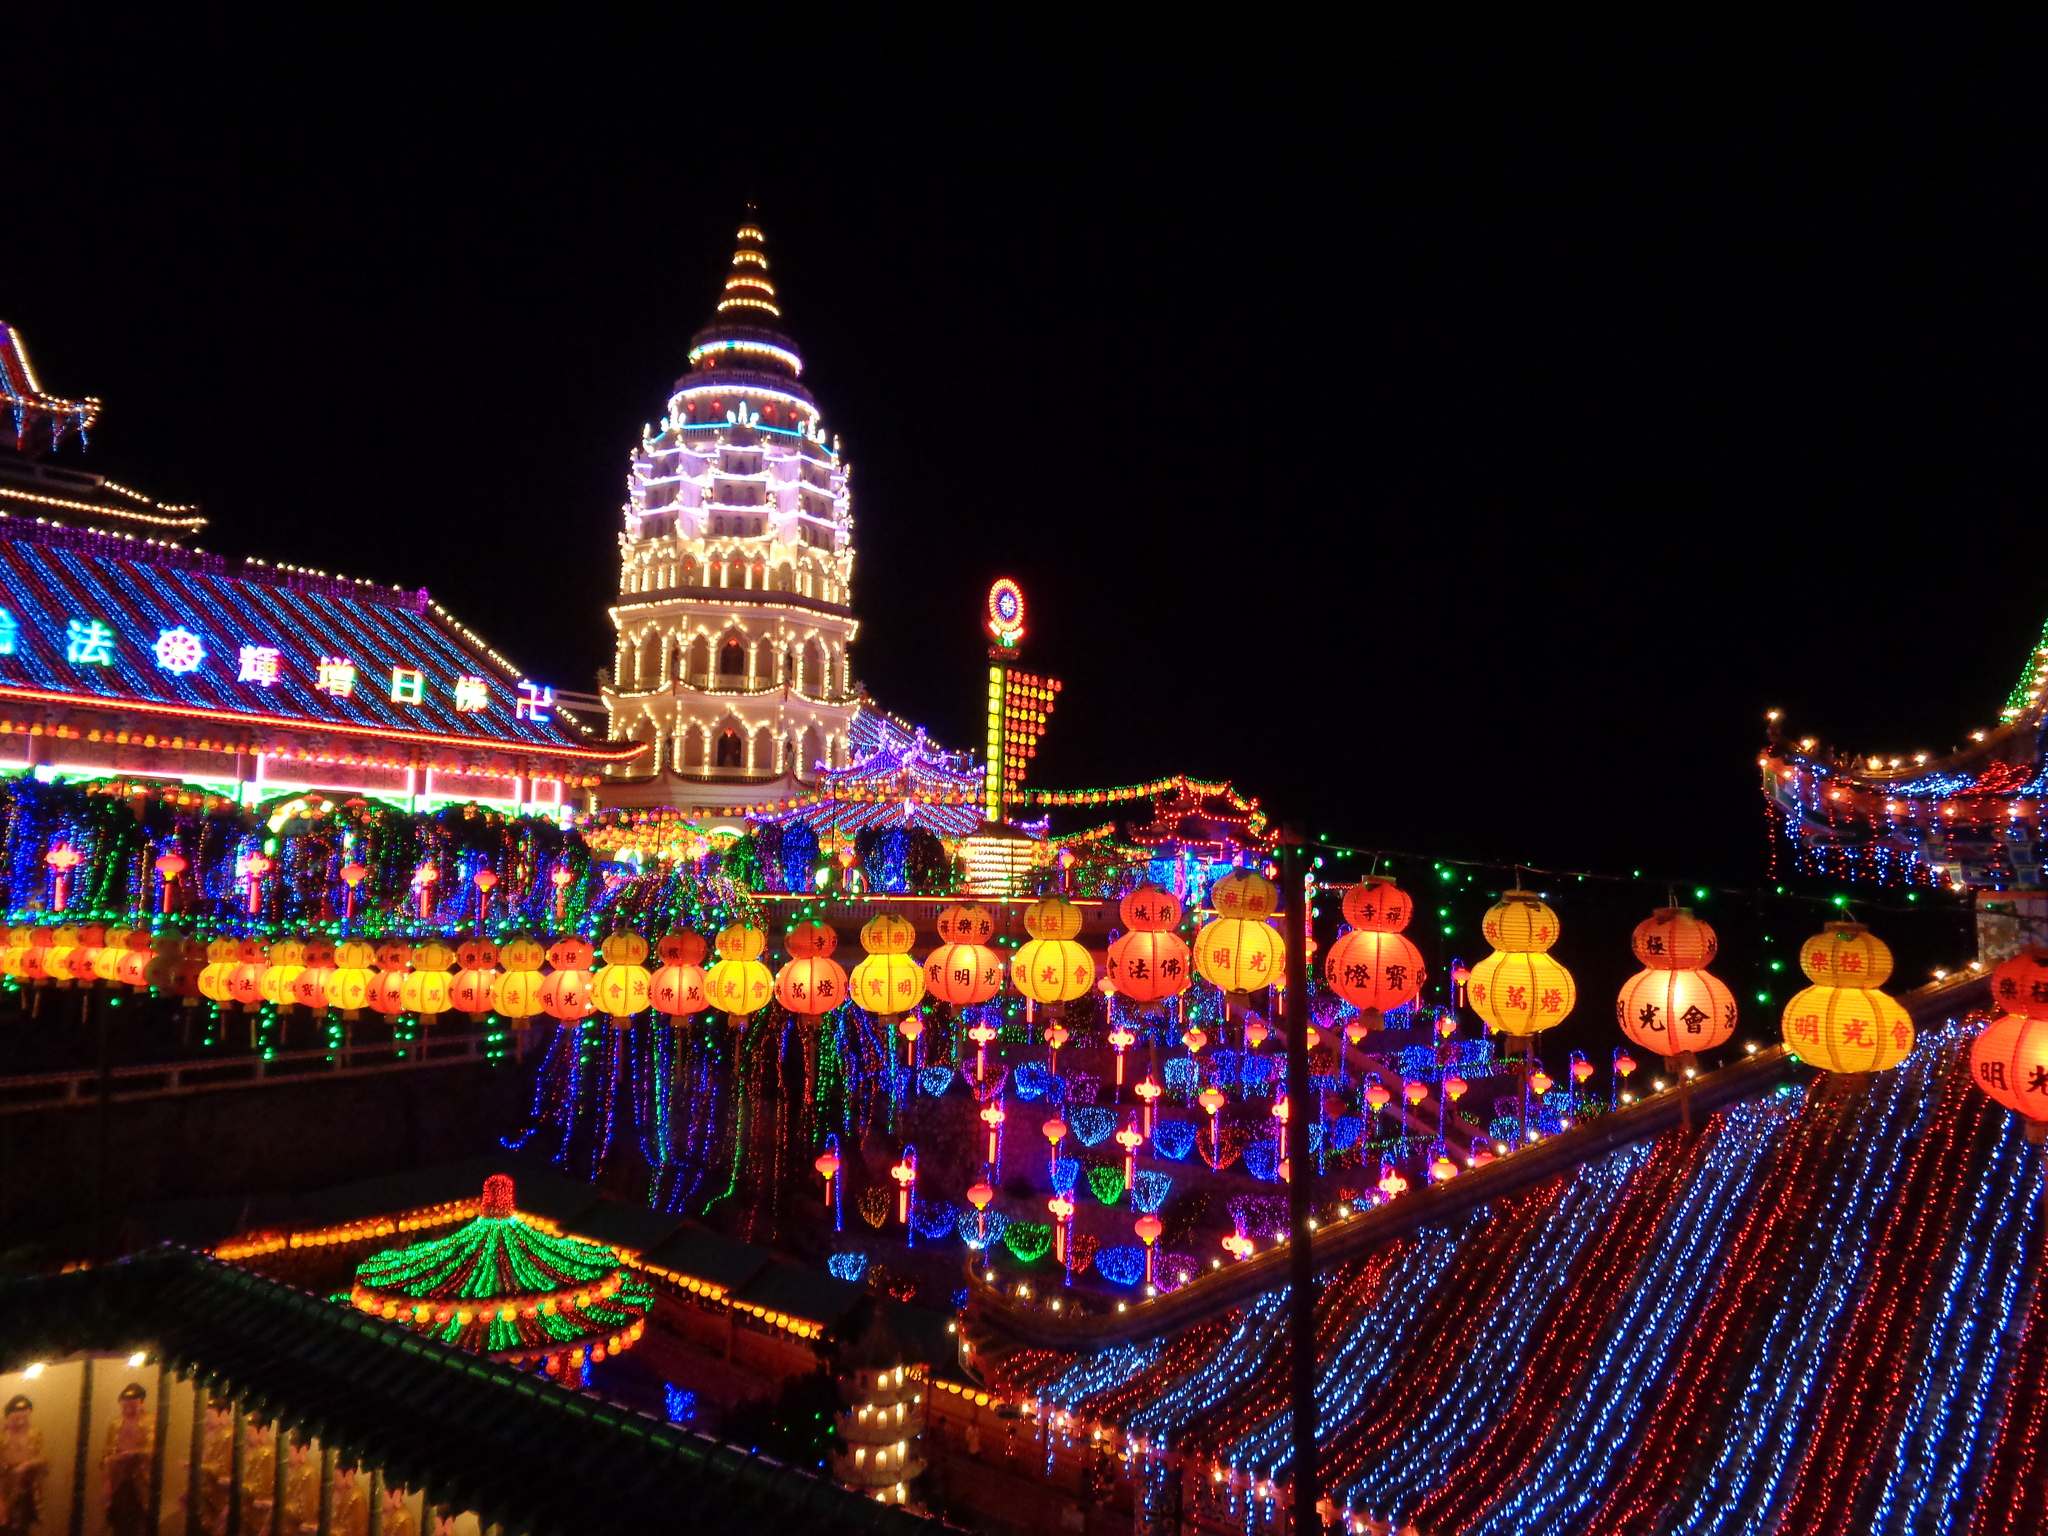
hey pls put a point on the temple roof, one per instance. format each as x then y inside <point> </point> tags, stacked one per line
<point>92,619</point>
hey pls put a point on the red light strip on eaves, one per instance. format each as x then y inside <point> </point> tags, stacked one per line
<point>236,717</point>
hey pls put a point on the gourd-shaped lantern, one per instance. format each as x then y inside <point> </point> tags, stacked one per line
<point>220,964</point>
<point>287,960</point>
<point>1674,1006</point>
<point>475,991</point>
<point>519,989</point>
<point>78,965</point>
<point>1240,955</point>
<point>623,987</point>
<point>349,987</point>
<point>677,986</point>
<point>812,982</point>
<point>387,987</point>
<point>1843,1023</point>
<point>175,964</point>
<point>35,962</point>
<point>2009,1058</point>
<point>1374,964</point>
<point>887,982</point>
<point>1149,962</point>
<point>739,984</point>
<point>1051,966</point>
<point>427,989</point>
<point>565,992</point>
<point>106,960</point>
<point>13,949</point>
<point>132,969</point>
<point>1519,989</point>
<point>245,981</point>
<point>963,970</point>
<point>309,987</point>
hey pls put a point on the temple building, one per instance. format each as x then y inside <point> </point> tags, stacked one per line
<point>735,573</point>
<point>125,652</point>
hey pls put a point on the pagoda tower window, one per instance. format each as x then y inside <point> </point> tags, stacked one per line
<point>698,668</point>
<point>764,749</point>
<point>693,746</point>
<point>732,658</point>
<point>732,751</point>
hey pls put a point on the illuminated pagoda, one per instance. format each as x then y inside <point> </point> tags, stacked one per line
<point>1969,820</point>
<point>509,1286</point>
<point>1207,823</point>
<point>735,572</point>
<point>36,428</point>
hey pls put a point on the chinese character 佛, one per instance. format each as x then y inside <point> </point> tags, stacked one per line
<point>471,695</point>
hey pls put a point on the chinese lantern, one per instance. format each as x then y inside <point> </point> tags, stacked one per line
<point>220,962</point>
<point>1148,965</point>
<point>1239,955</point>
<point>78,963</point>
<point>888,981</point>
<point>309,987</point>
<point>245,981</point>
<point>106,960</point>
<point>809,939</point>
<point>426,989</point>
<point>62,859</point>
<point>349,987</point>
<point>739,984</point>
<point>287,960</point>
<point>475,991</point>
<point>1519,988</point>
<point>1148,1227</point>
<point>1843,1023</point>
<point>1149,909</point>
<point>827,1164</point>
<point>519,988</point>
<point>1244,894</point>
<point>677,987</point>
<point>565,990</point>
<point>1675,1012</point>
<point>1672,939</point>
<point>2009,1057</point>
<point>1454,1087</point>
<point>174,968</point>
<point>811,985</point>
<point>1374,968</point>
<point>963,973</point>
<point>969,923</point>
<point>386,987</point>
<point>169,866</point>
<point>1050,967</point>
<point>132,969</point>
<point>621,988</point>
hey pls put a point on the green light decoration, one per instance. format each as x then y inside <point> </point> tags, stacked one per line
<point>502,1287</point>
<point>1028,1241</point>
<point>2027,691</point>
<point>1106,1183</point>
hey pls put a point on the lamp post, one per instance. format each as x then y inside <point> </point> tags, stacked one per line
<point>1300,1193</point>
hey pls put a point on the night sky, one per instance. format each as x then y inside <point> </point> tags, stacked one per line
<point>1460,455</point>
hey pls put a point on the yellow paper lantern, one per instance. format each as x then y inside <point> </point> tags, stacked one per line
<point>887,981</point>
<point>1846,955</point>
<point>888,933</point>
<point>1521,991</point>
<point>1240,955</point>
<point>739,984</point>
<point>1520,923</point>
<point>287,960</point>
<point>349,987</point>
<point>1848,1029</point>
<point>1053,970</point>
<point>1244,894</point>
<point>1052,917</point>
<point>624,987</point>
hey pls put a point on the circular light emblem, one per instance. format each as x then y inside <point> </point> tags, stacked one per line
<point>1006,612</point>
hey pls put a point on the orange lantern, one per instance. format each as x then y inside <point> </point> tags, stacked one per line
<point>2020,984</point>
<point>1149,965</point>
<point>1148,909</point>
<point>1374,968</point>
<point>1377,905</point>
<point>963,974</point>
<point>565,993</point>
<point>386,987</point>
<point>475,991</point>
<point>809,939</point>
<point>309,987</point>
<point>132,970</point>
<point>245,981</point>
<point>811,985</point>
<point>677,988</point>
<point>966,924</point>
<point>1673,1012</point>
<point>681,948</point>
<point>2009,1061</point>
<point>1672,939</point>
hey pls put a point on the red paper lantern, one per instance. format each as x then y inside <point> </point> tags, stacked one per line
<point>1377,905</point>
<point>1374,968</point>
<point>1672,939</point>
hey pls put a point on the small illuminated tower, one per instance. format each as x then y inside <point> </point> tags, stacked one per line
<point>735,571</point>
<point>880,1428</point>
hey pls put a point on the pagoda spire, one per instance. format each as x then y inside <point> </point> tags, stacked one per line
<point>748,290</point>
